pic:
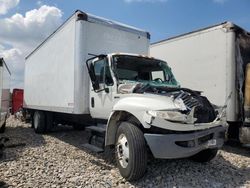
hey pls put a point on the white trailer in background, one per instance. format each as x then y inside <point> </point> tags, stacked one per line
<point>4,93</point>
<point>96,73</point>
<point>213,60</point>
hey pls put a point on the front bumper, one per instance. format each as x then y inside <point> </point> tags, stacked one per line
<point>170,146</point>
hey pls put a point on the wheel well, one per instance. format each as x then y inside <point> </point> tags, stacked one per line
<point>114,122</point>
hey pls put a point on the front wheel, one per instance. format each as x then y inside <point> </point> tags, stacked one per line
<point>205,155</point>
<point>131,151</point>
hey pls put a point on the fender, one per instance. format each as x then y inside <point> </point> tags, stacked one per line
<point>136,105</point>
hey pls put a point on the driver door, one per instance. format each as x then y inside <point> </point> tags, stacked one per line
<point>101,101</point>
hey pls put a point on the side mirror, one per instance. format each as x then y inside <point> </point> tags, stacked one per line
<point>106,90</point>
<point>91,70</point>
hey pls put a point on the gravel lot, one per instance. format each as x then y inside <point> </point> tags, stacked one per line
<point>58,159</point>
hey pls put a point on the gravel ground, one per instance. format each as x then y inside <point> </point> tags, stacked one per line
<point>59,159</point>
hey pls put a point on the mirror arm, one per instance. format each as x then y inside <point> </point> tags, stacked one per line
<point>101,56</point>
<point>104,89</point>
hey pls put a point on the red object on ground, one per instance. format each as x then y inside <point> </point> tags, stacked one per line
<point>17,100</point>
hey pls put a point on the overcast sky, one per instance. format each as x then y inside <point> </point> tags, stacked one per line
<point>26,23</point>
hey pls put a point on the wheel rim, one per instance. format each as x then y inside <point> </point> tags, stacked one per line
<point>122,149</point>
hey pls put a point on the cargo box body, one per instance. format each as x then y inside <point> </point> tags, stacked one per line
<point>211,60</point>
<point>56,77</point>
<point>4,91</point>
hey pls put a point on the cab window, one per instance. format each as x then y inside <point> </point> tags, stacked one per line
<point>102,72</point>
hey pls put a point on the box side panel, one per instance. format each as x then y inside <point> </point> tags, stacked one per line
<point>1,91</point>
<point>49,73</point>
<point>199,62</point>
<point>231,89</point>
<point>1,85</point>
<point>5,91</point>
<point>100,39</point>
<point>81,94</point>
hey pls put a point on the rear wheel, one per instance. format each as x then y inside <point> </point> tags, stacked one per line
<point>131,151</point>
<point>205,155</point>
<point>39,122</point>
<point>49,121</point>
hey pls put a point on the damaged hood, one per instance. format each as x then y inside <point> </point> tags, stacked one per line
<point>152,102</point>
<point>164,98</point>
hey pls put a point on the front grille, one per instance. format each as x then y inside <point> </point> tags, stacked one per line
<point>188,99</point>
<point>203,111</point>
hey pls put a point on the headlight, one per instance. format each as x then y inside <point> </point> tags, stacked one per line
<point>169,115</point>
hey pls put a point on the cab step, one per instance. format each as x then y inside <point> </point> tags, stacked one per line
<point>96,140</point>
<point>101,129</point>
<point>93,148</point>
<point>98,129</point>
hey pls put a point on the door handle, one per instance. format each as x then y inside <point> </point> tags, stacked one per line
<point>92,102</point>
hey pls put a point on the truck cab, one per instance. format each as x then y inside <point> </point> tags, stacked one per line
<point>146,106</point>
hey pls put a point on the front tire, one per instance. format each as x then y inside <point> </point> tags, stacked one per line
<point>205,155</point>
<point>131,151</point>
<point>39,122</point>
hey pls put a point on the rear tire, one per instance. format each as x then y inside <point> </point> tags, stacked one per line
<point>49,121</point>
<point>39,122</point>
<point>205,155</point>
<point>131,151</point>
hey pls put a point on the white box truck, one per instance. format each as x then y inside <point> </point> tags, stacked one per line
<point>4,93</point>
<point>95,72</point>
<point>214,60</point>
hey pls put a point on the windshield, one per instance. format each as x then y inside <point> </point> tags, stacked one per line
<point>142,69</point>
